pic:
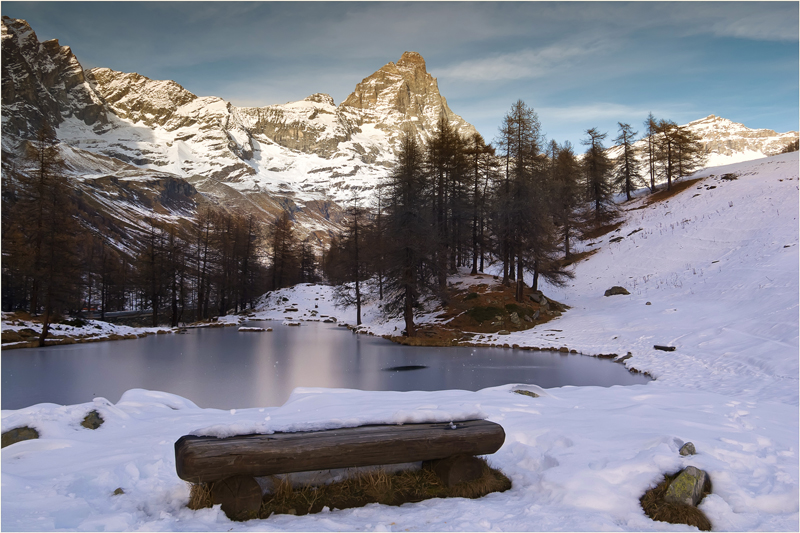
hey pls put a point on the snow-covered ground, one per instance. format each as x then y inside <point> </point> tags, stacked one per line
<point>89,331</point>
<point>718,264</point>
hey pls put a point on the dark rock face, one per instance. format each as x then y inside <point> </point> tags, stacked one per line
<point>17,435</point>
<point>42,83</point>
<point>93,420</point>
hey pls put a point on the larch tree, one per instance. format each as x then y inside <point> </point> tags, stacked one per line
<point>691,153</point>
<point>626,166</point>
<point>567,193</point>
<point>284,261</point>
<point>48,232</point>
<point>353,265</point>
<point>651,130</point>
<point>597,169</point>
<point>411,235</point>
<point>667,149</point>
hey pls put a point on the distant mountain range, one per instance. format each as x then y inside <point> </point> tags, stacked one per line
<point>138,147</point>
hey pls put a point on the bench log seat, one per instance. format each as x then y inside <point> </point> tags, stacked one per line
<point>234,461</point>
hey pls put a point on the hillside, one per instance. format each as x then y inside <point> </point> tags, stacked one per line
<point>718,263</point>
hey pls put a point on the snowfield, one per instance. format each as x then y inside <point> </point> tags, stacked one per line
<point>718,264</point>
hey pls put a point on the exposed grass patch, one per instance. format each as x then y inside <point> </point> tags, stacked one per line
<point>474,309</point>
<point>74,322</point>
<point>577,258</point>
<point>484,313</point>
<point>664,194</point>
<point>675,513</point>
<point>371,487</point>
<point>598,231</point>
<point>519,309</point>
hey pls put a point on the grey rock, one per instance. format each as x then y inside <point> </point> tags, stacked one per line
<point>688,449</point>
<point>514,317</point>
<point>687,487</point>
<point>536,314</point>
<point>538,297</point>
<point>616,289</point>
<point>503,332</point>
<point>527,318</point>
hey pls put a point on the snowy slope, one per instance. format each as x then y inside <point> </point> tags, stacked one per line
<point>720,268</point>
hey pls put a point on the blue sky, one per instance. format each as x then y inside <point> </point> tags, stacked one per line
<point>578,65</point>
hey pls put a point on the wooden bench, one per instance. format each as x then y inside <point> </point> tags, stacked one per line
<point>232,463</point>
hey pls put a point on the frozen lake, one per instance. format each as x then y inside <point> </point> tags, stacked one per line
<point>225,368</point>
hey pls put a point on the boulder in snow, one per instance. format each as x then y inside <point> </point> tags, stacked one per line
<point>688,486</point>
<point>616,289</point>
<point>15,435</point>
<point>93,420</point>
<point>687,449</point>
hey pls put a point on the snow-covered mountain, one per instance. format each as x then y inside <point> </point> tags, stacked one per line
<point>119,129</point>
<point>304,156</point>
<point>306,147</point>
<point>727,142</point>
<point>731,142</point>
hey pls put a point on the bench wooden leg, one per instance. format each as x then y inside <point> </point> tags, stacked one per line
<point>240,497</point>
<point>457,469</point>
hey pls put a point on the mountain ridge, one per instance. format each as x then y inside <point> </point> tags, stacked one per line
<point>308,157</point>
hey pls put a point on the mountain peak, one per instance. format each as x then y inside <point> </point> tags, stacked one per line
<point>412,60</point>
<point>320,98</point>
<point>403,94</point>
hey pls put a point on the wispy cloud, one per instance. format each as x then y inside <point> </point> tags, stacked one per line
<point>605,111</point>
<point>523,64</point>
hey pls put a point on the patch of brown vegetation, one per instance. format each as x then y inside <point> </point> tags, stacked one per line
<point>675,513</point>
<point>577,258</point>
<point>664,194</point>
<point>596,232</point>
<point>480,308</point>
<point>372,487</point>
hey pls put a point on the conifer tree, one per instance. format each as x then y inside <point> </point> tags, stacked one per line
<point>283,270</point>
<point>567,193</point>
<point>411,235</point>
<point>667,149</point>
<point>626,166</point>
<point>691,154</point>
<point>476,151</point>
<point>45,230</point>
<point>352,258</point>
<point>651,130</point>
<point>597,169</point>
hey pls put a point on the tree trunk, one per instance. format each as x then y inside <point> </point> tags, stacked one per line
<point>408,314</point>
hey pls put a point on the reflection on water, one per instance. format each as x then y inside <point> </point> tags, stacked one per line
<point>220,367</point>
